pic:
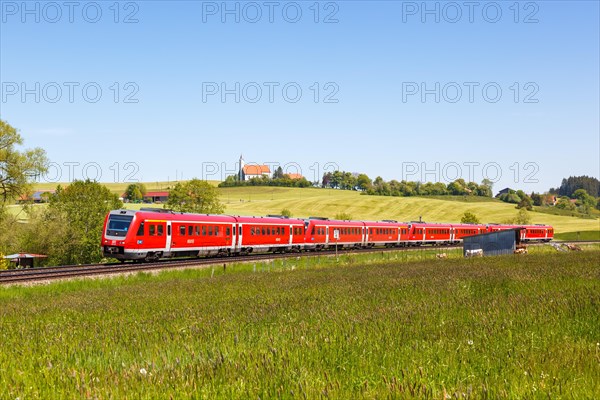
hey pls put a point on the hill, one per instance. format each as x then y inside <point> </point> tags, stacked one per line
<point>328,202</point>
<point>261,200</point>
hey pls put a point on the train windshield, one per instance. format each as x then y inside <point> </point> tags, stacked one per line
<point>118,225</point>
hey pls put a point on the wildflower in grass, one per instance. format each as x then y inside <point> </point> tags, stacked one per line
<point>143,371</point>
<point>470,342</point>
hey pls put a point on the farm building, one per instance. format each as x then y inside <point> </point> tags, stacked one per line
<point>295,176</point>
<point>40,196</point>
<point>156,197</point>
<point>494,243</point>
<point>152,197</point>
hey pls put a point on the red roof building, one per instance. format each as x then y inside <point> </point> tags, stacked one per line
<point>255,171</point>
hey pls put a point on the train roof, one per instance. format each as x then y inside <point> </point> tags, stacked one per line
<point>170,215</point>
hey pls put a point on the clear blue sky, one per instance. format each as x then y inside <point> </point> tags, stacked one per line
<point>374,58</point>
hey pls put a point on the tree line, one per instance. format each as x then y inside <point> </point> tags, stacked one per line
<point>378,187</point>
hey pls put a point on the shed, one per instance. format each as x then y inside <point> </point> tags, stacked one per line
<point>494,243</point>
<point>23,260</point>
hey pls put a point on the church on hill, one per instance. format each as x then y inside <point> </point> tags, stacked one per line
<point>250,171</point>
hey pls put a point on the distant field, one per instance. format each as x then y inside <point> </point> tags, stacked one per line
<point>583,235</point>
<point>505,327</point>
<point>329,202</point>
<point>118,188</point>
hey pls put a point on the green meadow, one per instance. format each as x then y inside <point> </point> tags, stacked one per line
<point>364,326</point>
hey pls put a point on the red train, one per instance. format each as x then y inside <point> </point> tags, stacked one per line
<point>150,234</point>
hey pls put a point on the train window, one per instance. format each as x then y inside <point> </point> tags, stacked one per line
<point>182,230</point>
<point>203,230</point>
<point>197,230</point>
<point>152,230</point>
<point>210,230</point>
<point>263,231</point>
<point>216,231</point>
<point>190,230</point>
<point>160,230</point>
<point>140,231</point>
<point>227,231</point>
<point>252,231</point>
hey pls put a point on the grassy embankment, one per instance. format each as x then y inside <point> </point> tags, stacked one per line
<point>517,327</point>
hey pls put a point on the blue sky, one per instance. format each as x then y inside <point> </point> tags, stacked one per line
<point>405,90</point>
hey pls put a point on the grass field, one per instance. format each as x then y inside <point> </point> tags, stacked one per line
<point>118,188</point>
<point>510,327</point>
<point>329,202</point>
<point>583,235</point>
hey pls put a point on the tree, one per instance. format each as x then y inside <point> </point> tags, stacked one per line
<point>195,196</point>
<point>4,264</point>
<point>469,218</point>
<point>76,216</point>
<point>564,203</point>
<point>286,213</point>
<point>486,188</point>
<point>523,217</point>
<point>510,197</point>
<point>525,203</point>
<point>278,173</point>
<point>363,182</point>
<point>135,192</point>
<point>538,199</point>
<point>457,187</point>
<point>17,168</point>
<point>570,185</point>
<point>343,216</point>
<point>583,198</point>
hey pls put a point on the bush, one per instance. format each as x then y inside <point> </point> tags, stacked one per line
<point>469,218</point>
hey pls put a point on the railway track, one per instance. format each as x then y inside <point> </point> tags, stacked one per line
<point>75,271</point>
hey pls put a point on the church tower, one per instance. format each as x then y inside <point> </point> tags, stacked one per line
<point>241,173</point>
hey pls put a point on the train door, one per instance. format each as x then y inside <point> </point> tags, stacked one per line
<point>291,236</point>
<point>168,243</point>
<point>239,237</point>
<point>327,235</point>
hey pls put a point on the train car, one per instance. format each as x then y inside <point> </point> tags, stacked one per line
<point>543,233</point>
<point>529,233</point>
<point>386,233</point>
<point>150,234</point>
<point>459,231</point>
<point>429,233</point>
<point>323,233</point>
<point>270,234</point>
